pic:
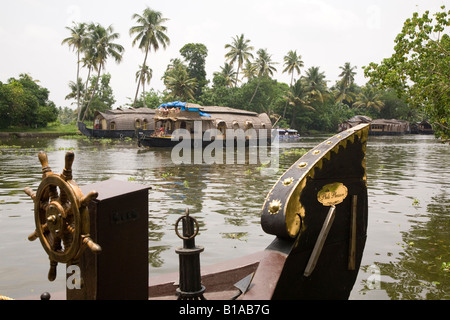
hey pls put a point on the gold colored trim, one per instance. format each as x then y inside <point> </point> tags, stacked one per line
<point>292,209</point>
<point>288,181</point>
<point>274,206</point>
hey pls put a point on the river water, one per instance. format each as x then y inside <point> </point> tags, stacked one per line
<point>407,249</point>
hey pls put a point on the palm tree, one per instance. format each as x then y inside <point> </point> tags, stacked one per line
<point>150,33</point>
<point>347,77</point>
<point>250,70</point>
<point>100,48</point>
<point>264,67</point>
<point>239,51</point>
<point>316,84</point>
<point>144,74</point>
<point>228,73</point>
<point>77,41</point>
<point>293,64</point>
<point>181,86</point>
<point>298,97</point>
<point>369,98</point>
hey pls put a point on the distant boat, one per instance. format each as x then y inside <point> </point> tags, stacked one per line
<point>120,123</point>
<point>423,127</point>
<point>288,135</point>
<point>380,127</point>
<point>204,123</point>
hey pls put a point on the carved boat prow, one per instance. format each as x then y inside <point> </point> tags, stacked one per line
<point>318,212</point>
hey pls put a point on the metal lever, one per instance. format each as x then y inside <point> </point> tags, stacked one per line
<point>320,242</point>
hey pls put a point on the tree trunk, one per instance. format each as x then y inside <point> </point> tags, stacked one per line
<point>93,93</point>
<point>78,87</point>
<point>86,88</point>
<point>285,107</point>
<point>140,77</point>
<point>254,93</point>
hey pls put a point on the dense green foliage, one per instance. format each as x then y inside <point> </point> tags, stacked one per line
<point>23,102</point>
<point>419,68</point>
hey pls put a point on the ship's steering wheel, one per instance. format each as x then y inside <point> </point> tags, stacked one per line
<point>61,215</point>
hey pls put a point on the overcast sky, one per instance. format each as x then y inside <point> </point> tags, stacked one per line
<point>325,33</point>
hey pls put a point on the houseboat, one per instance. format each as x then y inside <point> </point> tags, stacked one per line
<point>176,121</point>
<point>317,213</point>
<point>423,127</point>
<point>120,123</point>
<point>353,121</point>
<point>388,127</point>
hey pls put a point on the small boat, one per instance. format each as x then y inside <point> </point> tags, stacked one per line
<point>120,123</point>
<point>288,135</point>
<point>201,125</point>
<point>317,212</point>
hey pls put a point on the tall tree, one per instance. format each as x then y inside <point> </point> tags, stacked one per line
<point>369,98</point>
<point>101,45</point>
<point>150,33</point>
<point>195,55</point>
<point>77,41</point>
<point>298,97</point>
<point>347,78</point>
<point>181,86</point>
<point>228,74</point>
<point>240,51</point>
<point>144,74</point>
<point>264,67</point>
<point>419,68</point>
<point>250,70</point>
<point>316,84</point>
<point>178,82</point>
<point>292,63</point>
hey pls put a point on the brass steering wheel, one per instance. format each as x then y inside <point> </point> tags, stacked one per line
<point>61,215</point>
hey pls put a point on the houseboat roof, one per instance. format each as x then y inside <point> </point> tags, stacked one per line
<point>388,121</point>
<point>228,115</point>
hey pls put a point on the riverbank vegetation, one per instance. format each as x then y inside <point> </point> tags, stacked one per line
<point>411,85</point>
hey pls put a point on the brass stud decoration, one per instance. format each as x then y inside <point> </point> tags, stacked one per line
<point>274,206</point>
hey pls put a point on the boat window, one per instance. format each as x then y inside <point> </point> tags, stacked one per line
<point>235,125</point>
<point>112,125</point>
<point>222,126</point>
<point>144,124</point>
<point>137,123</point>
<point>182,125</point>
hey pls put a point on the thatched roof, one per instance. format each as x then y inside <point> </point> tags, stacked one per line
<point>125,119</point>
<point>242,119</point>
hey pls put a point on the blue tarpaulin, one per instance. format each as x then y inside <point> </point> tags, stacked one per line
<point>182,105</point>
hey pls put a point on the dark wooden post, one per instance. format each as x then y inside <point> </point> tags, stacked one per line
<point>119,224</point>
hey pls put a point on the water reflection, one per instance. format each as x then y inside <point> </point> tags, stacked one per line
<point>409,240</point>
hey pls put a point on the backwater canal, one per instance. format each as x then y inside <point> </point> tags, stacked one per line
<point>407,253</point>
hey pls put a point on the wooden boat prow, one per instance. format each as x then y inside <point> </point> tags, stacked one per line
<point>330,176</point>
